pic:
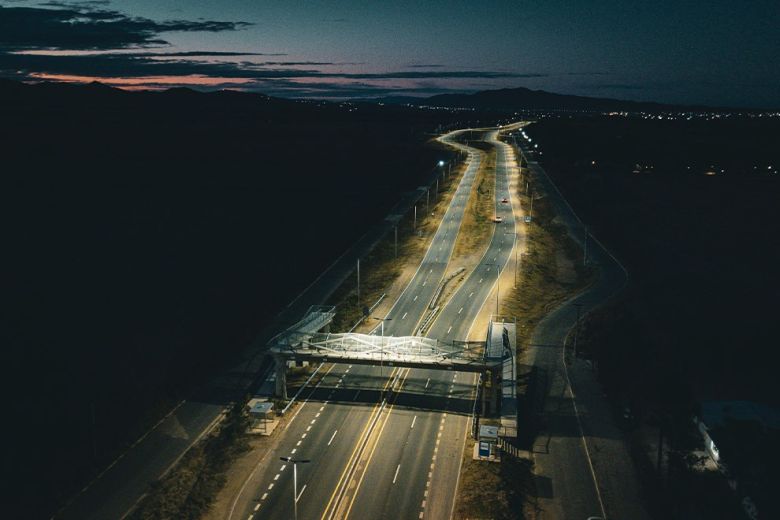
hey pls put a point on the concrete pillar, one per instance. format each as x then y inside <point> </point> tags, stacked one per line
<point>281,377</point>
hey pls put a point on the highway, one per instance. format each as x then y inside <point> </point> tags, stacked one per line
<point>397,460</point>
<point>329,425</point>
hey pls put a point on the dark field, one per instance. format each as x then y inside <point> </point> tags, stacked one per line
<point>147,238</point>
<point>702,250</point>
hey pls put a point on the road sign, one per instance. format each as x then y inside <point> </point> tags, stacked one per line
<point>484,449</point>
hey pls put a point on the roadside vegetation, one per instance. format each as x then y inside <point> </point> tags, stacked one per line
<point>551,271</point>
<point>477,225</point>
<point>493,490</point>
<point>190,488</point>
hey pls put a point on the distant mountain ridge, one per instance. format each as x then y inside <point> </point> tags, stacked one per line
<point>522,98</point>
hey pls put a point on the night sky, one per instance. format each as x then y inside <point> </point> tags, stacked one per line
<point>724,53</point>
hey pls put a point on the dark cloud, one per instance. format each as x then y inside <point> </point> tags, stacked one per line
<point>90,27</point>
<point>195,54</point>
<point>617,86</point>
<point>596,73</point>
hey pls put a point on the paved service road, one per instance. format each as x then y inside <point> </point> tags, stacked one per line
<point>578,475</point>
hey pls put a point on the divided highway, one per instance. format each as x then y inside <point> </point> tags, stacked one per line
<point>400,459</point>
<point>334,418</point>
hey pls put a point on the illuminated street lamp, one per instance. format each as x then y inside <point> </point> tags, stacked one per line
<point>295,463</point>
<point>382,351</point>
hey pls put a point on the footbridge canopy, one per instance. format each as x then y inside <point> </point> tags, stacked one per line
<point>401,351</point>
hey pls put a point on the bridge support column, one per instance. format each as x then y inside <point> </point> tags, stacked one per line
<point>281,377</point>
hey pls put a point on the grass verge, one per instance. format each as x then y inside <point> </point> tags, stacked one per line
<point>495,490</point>
<point>477,225</point>
<point>188,490</point>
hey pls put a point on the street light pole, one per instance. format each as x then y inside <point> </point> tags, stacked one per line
<point>498,283</point>
<point>382,352</point>
<point>295,463</point>
<point>577,329</point>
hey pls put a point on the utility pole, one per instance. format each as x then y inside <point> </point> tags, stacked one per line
<point>395,232</point>
<point>295,463</point>
<point>427,200</point>
<point>382,353</point>
<point>414,224</point>
<point>498,283</point>
<point>358,281</point>
<point>585,249</point>
<point>577,329</point>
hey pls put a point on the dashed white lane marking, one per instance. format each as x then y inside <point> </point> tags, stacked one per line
<point>332,437</point>
<point>427,382</point>
<point>257,506</point>
<point>471,294</point>
<point>282,468</point>
<point>304,435</point>
<point>396,473</point>
<point>448,330</point>
<point>318,414</point>
<point>415,299</point>
<point>461,310</point>
<point>270,486</point>
<point>404,316</point>
<point>421,515</point>
<point>322,408</point>
<point>298,443</point>
<point>314,420</point>
<point>250,517</point>
<point>480,280</point>
<point>293,451</point>
<point>276,477</point>
<point>264,495</point>
<point>424,283</point>
<point>414,420</point>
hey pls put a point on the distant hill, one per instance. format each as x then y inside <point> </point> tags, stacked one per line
<point>510,99</point>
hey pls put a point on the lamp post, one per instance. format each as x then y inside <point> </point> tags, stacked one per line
<point>498,283</point>
<point>382,352</point>
<point>295,463</point>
